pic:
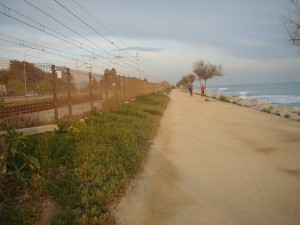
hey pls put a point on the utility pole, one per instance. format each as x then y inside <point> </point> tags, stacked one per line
<point>137,66</point>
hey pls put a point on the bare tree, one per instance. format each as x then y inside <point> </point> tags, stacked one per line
<point>191,78</point>
<point>206,70</point>
<point>292,23</point>
<point>185,80</point>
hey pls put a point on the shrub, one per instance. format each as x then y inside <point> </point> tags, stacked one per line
<point>266,110</point>
<point>223,98</point>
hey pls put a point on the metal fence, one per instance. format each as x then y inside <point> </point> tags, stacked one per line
<point>34,94</point>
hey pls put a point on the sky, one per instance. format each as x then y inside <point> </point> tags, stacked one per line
<point>245,36</point>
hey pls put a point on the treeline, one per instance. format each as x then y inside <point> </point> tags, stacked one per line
<point>22,77</point>
<point>203,70</point>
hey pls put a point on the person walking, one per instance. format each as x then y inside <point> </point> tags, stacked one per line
<point>190,88</point>
<point>202,89</point>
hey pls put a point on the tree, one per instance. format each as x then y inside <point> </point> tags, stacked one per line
<point>292,23</point>
<point>109,79</point>
<point>191,78</point>
<point>206,70</point>
<point>111,72</point>
<point>185,80</point>
<point>16,87</point>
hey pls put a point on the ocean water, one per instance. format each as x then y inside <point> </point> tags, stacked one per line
<point>287,94</point>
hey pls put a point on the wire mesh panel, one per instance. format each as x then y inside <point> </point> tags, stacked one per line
<point>25,88</point>
<point>33,94</point>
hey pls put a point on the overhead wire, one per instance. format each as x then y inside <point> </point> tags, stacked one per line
<point>67,27</point>
<point>64,16</point>
<point>105,38</point>
<point>102,25</point>
<point>56,12</point>
<point>42,28</point>
<point>40,48</point>
<point>151,72</point>
<point>49,31</point>
<point>83,21</point>
<point>101,35</point>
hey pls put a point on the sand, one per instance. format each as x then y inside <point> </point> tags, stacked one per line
<point>214,162</point>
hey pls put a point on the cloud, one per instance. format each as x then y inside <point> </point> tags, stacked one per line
<point>141,49</point>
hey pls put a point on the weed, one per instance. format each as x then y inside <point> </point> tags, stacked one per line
<point>168,91</point>
<point>266,110</point>
<point>16,158</point>
<point>223,98</point>
<point>86,166</point>
<point>287,115</point>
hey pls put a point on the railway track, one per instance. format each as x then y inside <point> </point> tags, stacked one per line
<point>46,104</point>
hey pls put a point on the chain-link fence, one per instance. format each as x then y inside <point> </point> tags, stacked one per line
<point>35,94</point>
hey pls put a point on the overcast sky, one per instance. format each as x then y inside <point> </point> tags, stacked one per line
<point>245,36</point>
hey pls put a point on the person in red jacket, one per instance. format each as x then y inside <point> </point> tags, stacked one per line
<point>202,89</point>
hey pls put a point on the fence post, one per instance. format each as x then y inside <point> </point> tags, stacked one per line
<point>54,89</point>
<point>91,90</point>
<point>69,92</point>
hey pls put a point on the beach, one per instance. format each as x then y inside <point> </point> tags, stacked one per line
<point>213,162</point>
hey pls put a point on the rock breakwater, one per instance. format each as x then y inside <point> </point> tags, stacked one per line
<point>279,110</point>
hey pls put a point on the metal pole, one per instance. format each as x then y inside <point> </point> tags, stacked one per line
<point>54,77</point>
<point>69,92</point>
<point>91,87</point>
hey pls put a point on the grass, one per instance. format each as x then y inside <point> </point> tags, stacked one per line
<point>85,167</point>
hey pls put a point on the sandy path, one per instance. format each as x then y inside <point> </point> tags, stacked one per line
<point>217,163</point>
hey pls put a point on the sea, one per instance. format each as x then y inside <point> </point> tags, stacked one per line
<point>286,94</point>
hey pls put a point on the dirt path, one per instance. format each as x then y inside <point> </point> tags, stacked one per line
<point>217,163</point>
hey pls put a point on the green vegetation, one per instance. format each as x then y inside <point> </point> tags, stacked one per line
<point>266,110</point>
<point>84,167</point>
<point>223,98</point>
